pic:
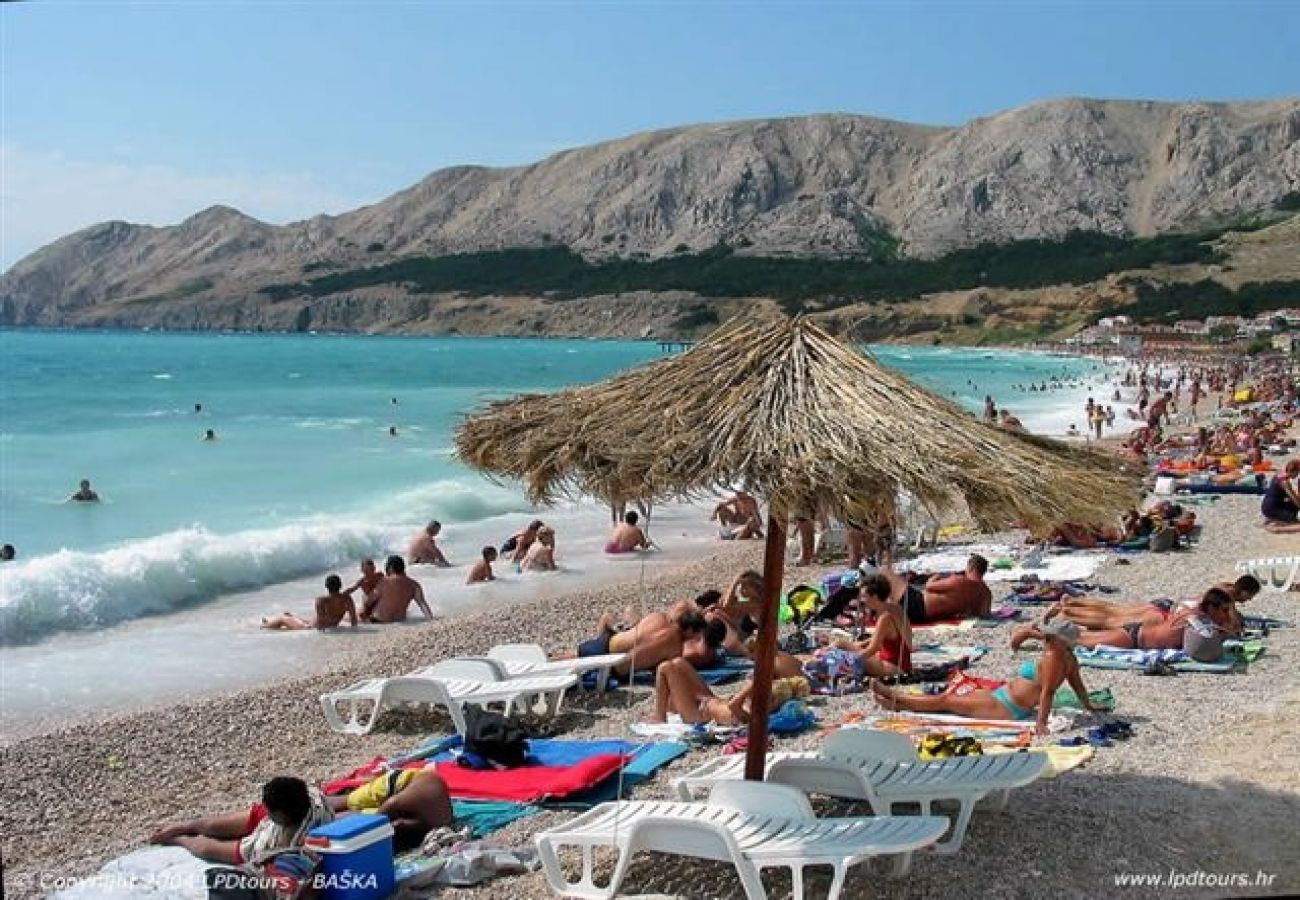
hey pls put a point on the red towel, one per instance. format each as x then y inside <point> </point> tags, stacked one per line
<point>528,784</point>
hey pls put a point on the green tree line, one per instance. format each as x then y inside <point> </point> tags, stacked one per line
<point>799,283</point>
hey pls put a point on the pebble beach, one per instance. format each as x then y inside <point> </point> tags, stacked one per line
<point>1208,783</point>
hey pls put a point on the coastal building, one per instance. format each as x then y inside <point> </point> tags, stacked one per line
<point>1286,343</point>
<point>1191,326</point>
<point>1130,342</point>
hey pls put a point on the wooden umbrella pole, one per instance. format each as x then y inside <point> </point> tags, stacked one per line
<point>760,697</point>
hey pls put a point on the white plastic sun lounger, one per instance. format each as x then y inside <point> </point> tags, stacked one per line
<point>1278,573</point>
<point>531,659</point>
<point>450,685</point>
<point>752,825</point>
<point>882,768</point>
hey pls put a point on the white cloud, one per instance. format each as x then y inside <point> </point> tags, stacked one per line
<point>45,195</point>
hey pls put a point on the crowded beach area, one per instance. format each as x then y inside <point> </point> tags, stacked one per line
<point>1106,702</point>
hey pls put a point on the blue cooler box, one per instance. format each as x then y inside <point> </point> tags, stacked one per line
<point>356,858</point>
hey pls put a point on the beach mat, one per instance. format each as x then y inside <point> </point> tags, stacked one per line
<point>1219,489</point>
<point>1184,665</point>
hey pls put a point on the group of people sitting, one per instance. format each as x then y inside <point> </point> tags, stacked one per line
<point>529,550</point>
<point>388,598</point>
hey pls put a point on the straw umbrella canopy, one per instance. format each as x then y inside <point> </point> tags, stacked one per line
<point>799,418</point>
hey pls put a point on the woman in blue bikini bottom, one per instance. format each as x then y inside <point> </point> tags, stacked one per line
<point>1029,692</point>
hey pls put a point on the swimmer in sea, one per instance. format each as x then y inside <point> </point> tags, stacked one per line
<point>330,610</point>
<point>392,431</point>
<point>84,494</point>
<point>209,435</point>
<point>7,553</point>
<point>198,408</point>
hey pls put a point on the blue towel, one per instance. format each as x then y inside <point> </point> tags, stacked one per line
<point>729,669</point>
<point>793,717</point>
<point>551,752</point>
<point>486,816</point>
<point>648,759</point>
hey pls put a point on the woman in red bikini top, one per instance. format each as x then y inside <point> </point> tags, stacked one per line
<point>889,649</point>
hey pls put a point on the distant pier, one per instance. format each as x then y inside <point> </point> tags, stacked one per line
<point>675,346</point>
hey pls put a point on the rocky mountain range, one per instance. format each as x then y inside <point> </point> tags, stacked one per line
<point>826,185</point>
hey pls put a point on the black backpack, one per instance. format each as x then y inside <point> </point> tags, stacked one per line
<point>494,737</point>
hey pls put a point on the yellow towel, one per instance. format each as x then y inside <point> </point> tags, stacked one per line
<point>1059,759</point>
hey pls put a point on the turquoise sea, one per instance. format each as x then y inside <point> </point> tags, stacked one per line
<point>304,476</point>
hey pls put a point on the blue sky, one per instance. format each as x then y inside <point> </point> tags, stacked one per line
<point>151,111</point>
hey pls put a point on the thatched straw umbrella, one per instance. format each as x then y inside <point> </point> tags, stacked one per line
<point>804,421</point>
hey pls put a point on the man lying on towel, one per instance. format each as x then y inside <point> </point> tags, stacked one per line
<point>416,802</point>
<point>960,596</point>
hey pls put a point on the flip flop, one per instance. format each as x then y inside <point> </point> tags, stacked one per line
<point>1074,741</point>
<point>1098,738</point>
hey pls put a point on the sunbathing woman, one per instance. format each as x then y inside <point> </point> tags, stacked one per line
<point>1095,614</point>
<point>1197,631</point>
<point>680,689</point>
<point>740,608</point>
<point>1033,687</point>
<point>889,650</point>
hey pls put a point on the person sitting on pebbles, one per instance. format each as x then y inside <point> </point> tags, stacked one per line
<point>289,809</point>
<point>1028,695</point>
<point>888,652</point>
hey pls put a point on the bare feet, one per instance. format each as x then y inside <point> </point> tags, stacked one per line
<point>884,696</point>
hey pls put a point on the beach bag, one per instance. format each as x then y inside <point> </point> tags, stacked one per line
<point>802,601</point>
<point>495,738</point>
<point>1163,539</point>
<point>797,643</point>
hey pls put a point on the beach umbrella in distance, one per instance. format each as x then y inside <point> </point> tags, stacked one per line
<point>803,420</point>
